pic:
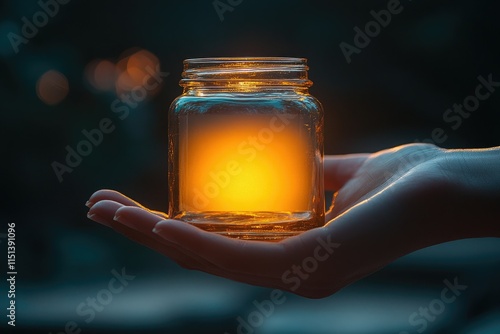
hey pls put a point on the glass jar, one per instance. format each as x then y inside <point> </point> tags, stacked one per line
<point>246,148</point>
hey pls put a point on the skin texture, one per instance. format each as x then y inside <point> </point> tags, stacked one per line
<point>386,204</point>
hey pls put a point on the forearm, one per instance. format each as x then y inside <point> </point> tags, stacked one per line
<point>474,199</point>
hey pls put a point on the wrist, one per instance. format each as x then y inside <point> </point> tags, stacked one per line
<point>473,191</point>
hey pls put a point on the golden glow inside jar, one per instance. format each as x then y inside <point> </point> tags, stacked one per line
<point>246,148</point>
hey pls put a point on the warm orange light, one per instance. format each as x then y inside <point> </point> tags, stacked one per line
<point>101,74</point>
<point>141,60</point>
<point>244,163</point>
<point>135,67</point>
<point>52,87</point>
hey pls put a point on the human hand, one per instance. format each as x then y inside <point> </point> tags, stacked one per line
<point>386,205</point>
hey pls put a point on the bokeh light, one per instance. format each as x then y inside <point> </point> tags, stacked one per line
<point>101,74</point>
<point>136,66</point>
<point>52,87</point>
<point>132,71</point>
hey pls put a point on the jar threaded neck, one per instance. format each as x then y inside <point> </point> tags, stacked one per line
<point>245,72</point>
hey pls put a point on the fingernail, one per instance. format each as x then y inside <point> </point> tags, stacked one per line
<point>125,222</point>
<point>98,219</point>
<point>89,204</point>
<point>161,232</point>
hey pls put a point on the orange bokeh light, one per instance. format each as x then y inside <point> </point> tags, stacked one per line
<point>101,74</point>
<point>52,87</point>
<point>135,67</point>
<point>131,71</point>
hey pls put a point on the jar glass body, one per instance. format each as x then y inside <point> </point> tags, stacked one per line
<point>246,148</point>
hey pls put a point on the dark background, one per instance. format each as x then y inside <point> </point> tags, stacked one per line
<point>394,91</point>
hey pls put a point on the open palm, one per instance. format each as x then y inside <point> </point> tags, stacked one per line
<point>382,205</point>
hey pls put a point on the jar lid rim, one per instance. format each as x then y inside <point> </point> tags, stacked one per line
<point>216,60</point>
<point>244,71</point>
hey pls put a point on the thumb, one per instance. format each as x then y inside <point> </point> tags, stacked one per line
<point>340,168</point>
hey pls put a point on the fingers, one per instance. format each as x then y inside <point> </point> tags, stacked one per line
<point>103,212</point>
<point>234,256</point>
<point>340,168</point>
<point>217,255</point>
<point>112,195</point>
<point>137,218</point>
<point>253,262</point>
<point>137,224</point>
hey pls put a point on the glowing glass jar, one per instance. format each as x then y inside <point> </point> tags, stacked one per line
<point>246,148</point>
